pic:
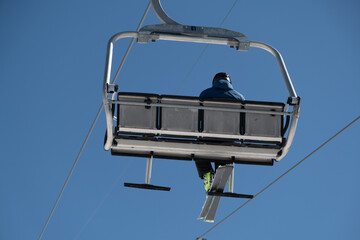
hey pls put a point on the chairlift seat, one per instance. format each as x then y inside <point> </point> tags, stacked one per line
<point>182,127</point>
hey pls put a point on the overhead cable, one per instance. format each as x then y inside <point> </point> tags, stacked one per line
<point>71,172</point>
<point>91,129</point>
<point>132,42</point>
<point>276,180</point>
<point>114,185</point>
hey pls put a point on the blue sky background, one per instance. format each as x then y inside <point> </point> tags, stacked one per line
<point>52,57</point>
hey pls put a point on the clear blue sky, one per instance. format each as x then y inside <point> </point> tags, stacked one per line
<point>52,56</point>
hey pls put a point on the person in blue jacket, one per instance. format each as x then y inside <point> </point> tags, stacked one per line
<point>221,88</point>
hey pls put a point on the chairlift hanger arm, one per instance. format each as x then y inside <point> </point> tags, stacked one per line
<point>161,14</point>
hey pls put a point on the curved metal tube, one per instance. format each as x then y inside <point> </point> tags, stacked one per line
<point>107,75</point>
<point>291,134</point>
<point>160,13</point>
<point>290,87</point>
<point>281,63</point>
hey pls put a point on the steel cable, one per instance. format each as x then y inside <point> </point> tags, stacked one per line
<point>276,180</point>
<point>114,80</point>
<point>91,129</point>
<point>114,185</point>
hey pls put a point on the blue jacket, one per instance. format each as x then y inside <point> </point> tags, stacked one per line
<point>221,89</point>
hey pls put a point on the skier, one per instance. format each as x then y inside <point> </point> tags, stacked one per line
<point>221,88</point>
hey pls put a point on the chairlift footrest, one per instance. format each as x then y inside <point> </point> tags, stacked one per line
<point>229,194</point>
<point>147,186</point>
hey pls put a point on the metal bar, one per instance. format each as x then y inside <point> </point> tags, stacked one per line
<point>148,170</point>
<point>291,133</point>
<point>201,107</point>
<point>193,39</point>
<point>281,63</point>
<point>203,151</point>
<point>290,87</point>
<point>199,134</point>
<point>231,180</point>
<point>231,195</point>
<point>147,186</point>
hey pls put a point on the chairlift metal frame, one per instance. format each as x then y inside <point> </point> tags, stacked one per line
<point>170,30</point>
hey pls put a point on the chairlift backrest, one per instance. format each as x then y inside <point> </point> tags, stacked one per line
<point>182,127</point>
<point>267,125</point>
<point>139,117</point>
<point>223,122</point>
<point>177,118</point>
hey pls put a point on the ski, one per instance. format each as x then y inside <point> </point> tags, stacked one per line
<point>216,199</point>
<point>218,184</point>
<point>216,181</point>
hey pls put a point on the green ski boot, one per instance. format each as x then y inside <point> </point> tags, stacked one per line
<point>208,178</point>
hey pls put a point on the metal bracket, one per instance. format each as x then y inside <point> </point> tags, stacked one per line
<point>244,43</point>
<point>194,34</point>
<point>148,170</point>
<point>293,100</point>
<point>231,180</point>
<point>145,36</point>
<point>112,88</point>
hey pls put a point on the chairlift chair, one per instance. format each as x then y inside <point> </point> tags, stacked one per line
<point>189,128</point>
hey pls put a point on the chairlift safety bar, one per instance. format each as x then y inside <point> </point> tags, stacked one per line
<point>201,107</point>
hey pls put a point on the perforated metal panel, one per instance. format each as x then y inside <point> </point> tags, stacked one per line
<point>221,122</point>
<point>163,130</point>
<point>131,116</point>
<point>263,125</point>
<point>179,119</point>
